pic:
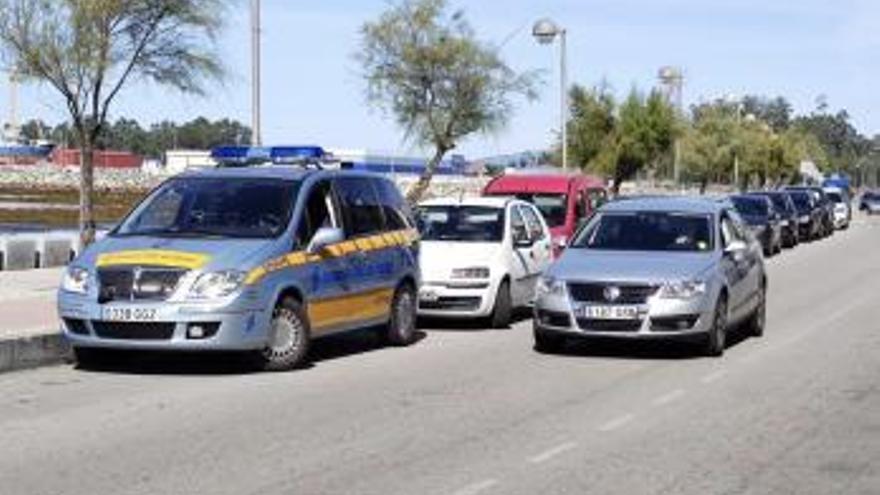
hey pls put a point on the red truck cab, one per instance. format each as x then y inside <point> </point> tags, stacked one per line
<point>565,200</point>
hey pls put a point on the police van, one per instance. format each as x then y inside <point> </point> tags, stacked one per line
<point>252,257</point>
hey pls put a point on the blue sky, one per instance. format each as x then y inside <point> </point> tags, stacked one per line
<point>313,92</point>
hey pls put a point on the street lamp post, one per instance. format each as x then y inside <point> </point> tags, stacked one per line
<point>545,31</point>
<point>256,138</point>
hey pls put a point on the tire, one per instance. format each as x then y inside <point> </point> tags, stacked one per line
<point>547,343</point>
<point>289,338</point>
<point>401,327</point>
<point>89,357</point>
<point>758,320</point>
<point>503,309</point>
<point>715,341</point>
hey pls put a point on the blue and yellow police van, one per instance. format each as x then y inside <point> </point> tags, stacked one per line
<point>263,254</point>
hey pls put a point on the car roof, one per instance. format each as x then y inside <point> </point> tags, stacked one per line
<point>488,201</point>
<point>279,172</point>
<point>545,182</point>
<point>687,204</point>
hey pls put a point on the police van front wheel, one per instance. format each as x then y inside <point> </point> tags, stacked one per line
<point>401,327</point>
<point>288,344</point>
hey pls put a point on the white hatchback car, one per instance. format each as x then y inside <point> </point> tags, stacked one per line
<point>480,257</point>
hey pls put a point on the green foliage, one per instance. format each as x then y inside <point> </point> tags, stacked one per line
<point>426,67</point>
<point>841,142</point>
<point>620,140</point>
<point>88,50</point>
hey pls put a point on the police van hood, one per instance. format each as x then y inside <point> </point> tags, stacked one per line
<point>206,254</point>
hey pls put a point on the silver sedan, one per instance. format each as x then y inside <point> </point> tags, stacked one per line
<point>681,268</point>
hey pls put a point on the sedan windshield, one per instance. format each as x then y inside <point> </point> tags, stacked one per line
<point>834,197</point>
<point>647,231</point>
<point>801,201</point>
<point>194,207</point>
<point>462,223</point>
<point>750,207</point>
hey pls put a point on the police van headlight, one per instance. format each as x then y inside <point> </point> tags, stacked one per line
<point>217,284</point>
<point>76,279</point>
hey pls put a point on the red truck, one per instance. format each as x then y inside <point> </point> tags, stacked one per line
<point>565,200</point>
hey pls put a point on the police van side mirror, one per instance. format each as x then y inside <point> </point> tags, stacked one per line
<point>325,236</point>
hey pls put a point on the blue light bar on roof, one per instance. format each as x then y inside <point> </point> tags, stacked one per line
<point>252,155</point>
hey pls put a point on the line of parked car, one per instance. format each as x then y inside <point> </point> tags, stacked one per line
<point>266,259</point>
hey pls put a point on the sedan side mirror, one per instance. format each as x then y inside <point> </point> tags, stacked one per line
<point>735,249</point>
<point>325,236</point>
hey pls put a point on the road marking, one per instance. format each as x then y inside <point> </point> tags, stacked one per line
<point>715,375</point>
<point>475,488</point>
<point>551,453</point>
<point>667,398</point>
<point>617,422</point>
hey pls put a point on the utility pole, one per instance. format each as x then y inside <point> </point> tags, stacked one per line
<point>545,31</point>
<point>256,138</point>
<point>12,131</point>
<point>672,80</point>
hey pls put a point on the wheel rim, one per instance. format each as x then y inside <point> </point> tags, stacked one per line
<point>285,338</point>
<point>404,317</point>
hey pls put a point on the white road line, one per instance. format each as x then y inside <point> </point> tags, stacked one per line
<point>667,398</point>
<point>552,452</point>
<point>617,422</point>
<point>475,488</point>
<point>714,376</point>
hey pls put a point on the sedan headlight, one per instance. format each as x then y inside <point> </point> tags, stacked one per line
<point>217,284</point>
<point>687,289</point>
<point>804,219</point>
<point>76,279</point>
<point>549,286</point>
<point>470,272</point>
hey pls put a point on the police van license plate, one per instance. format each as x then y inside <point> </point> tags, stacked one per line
<point>609,312</point>
<point>128,314</point>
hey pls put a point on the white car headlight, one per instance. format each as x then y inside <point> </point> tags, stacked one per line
<point>549,286</point>
<point>76,279</point>
<point>687,289</point>
<point>217,284</point>
<point>470,272</point>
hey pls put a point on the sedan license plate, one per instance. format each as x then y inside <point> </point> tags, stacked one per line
<point>609,312</point>
<point>128,314</point>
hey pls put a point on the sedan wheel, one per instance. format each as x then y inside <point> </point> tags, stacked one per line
<point>758,320</point>
<point>715,341</point>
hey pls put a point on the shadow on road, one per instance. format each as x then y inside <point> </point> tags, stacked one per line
<point>232,363</point>
<point>471,324</point>
<point>643,349</point>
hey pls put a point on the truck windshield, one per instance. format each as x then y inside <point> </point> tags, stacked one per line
<point>552,206</point>
<point>228,207</point>
<point>461,223</point>
<point>647,231</point>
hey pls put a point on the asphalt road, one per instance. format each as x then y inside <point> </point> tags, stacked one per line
<point>468,412</point>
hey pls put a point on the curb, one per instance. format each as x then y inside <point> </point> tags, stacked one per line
<point>33,351</point>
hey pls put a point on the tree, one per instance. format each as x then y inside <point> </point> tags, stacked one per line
<point>619,141</point>
<point>708,147</point>
<point>440,83</point>
<point>88,50</point>
<point>776,112</point>
<point>844,146</point>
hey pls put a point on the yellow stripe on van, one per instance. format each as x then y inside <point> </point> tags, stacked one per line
<point>154,257</point>
<point>330,312</point>
<point>338,250</point>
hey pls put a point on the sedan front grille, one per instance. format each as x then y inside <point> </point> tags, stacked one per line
<point>627,293</point>
<point>597,325</point>
<point>137,283</point>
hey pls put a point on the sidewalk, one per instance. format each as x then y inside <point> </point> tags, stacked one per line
<point>29,334</point>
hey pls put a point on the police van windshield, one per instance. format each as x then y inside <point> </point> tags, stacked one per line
<point>195,207</point>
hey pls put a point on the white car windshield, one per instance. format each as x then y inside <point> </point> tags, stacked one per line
<point>461,223</point>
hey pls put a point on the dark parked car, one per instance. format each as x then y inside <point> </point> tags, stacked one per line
<point>785,207</point>
<point>825,204</point>
<point>870,202</point>
<point>762,219</point>
<point>810,215</point>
